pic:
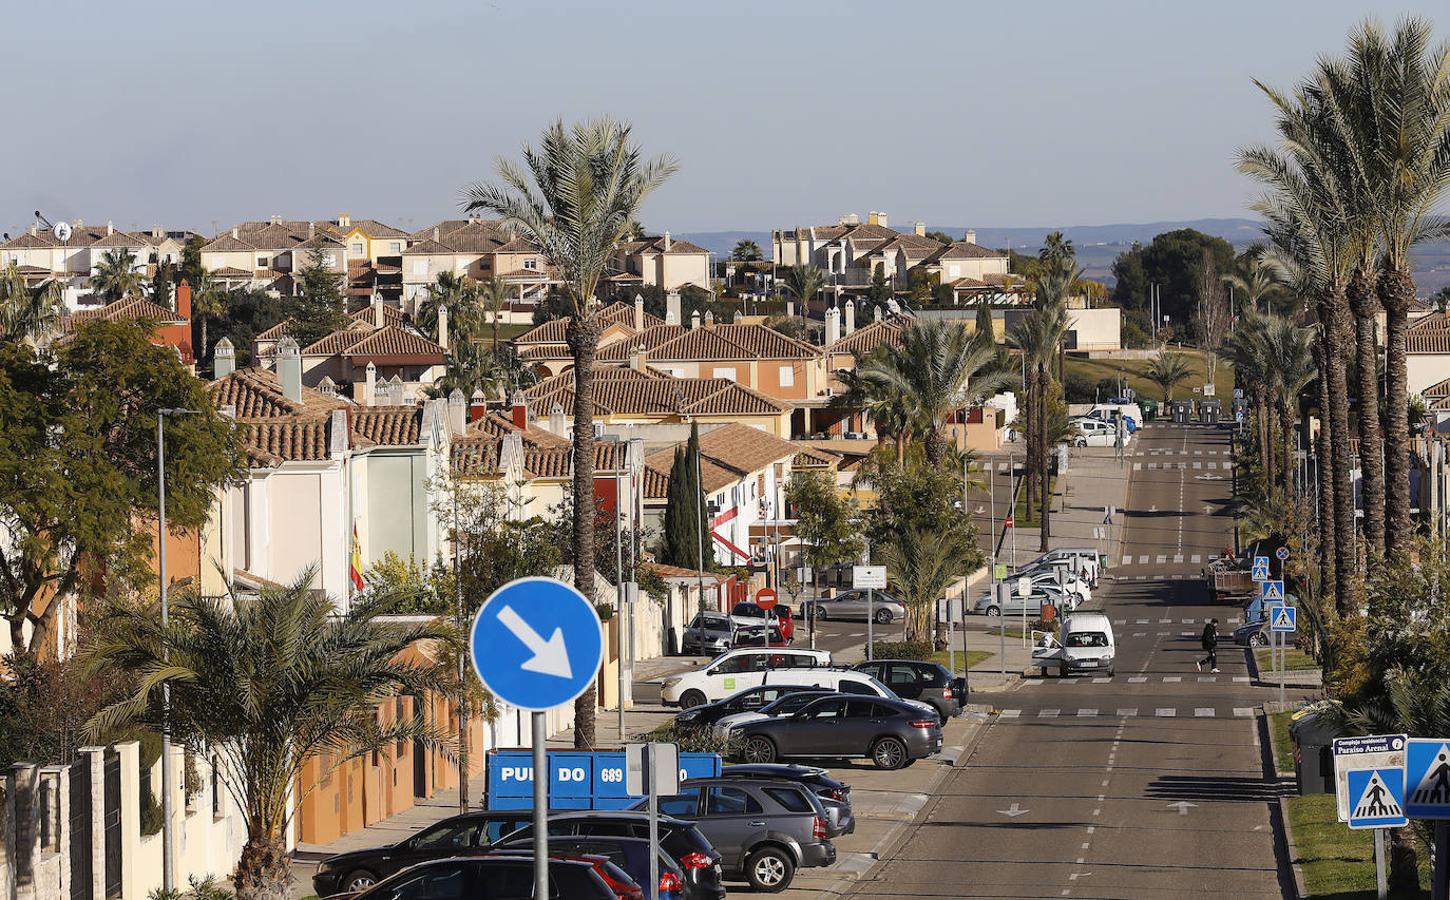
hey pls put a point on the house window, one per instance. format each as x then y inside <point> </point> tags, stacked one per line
<point>954,271</point>
<point>420,267</point>
<point>263,261</point>
<point>531,263</point>
<point>329,260</point>
<point>357,249</point>
<point>787,376</point>
<point>720,372</point>
<point>395,247</point>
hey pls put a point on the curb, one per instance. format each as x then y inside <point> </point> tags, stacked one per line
<point>1299,889</point>
<point>1270,765</point>
<point>1301,678</point>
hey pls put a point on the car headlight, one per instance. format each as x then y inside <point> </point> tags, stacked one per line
<point>325,866</point>
<point>670,682</point>
<point>1108,655</point>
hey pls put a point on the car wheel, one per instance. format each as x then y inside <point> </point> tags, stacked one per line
<point>889,754</point>
<point>820,613</point>
<point>692,699</point>
<point>759,750</point>
<point>358,881</point>
<point>883,617</point>
<point>1080,442</point>
<point>769,869</point>
<point>994,611</point>
<point>1258,640</point>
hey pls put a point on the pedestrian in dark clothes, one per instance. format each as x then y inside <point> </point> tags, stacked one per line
<point>1210,646</point>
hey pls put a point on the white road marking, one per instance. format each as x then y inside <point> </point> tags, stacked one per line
<point>1126,711</point>
<point>1011,713</point>
<point>1189,621</point>
<point>1242,679</point>
<point>1197,464</point>
<point>1048,713</point>
<point>1243,712</point>
<point>1165,713</point>
<point>1196,558</point>
<point>1177,559</point>
<point>1137,679</point>
<point>1142,560</point>
<point>1127,560</point>
<point>1162,559</point>
<point>1102,680</point>
<point>1141,622</point>
<point>1203,712</point>
<point>1207,679</point>
<point>1086,713</point>
<point>1172,679</point>
<point>1138,634</point>
<point>1137,467</point>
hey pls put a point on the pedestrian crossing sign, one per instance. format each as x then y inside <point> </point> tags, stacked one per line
<point>1427,778</point>
<point>1283,618</point>
<point>1378,798</point>
<point>1261,568</point>
<point>1272,591</point>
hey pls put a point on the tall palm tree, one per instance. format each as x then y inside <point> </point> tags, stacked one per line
<point>452,291</point>
<point>936,371</point>
<point>493,296</point>
<point>1167,370</point>
<point>880,402</point>
<point>28,313</point>
<point>1039,335</point>
<point>1389,105</point>
<point>576,197</point>
<point>1364,304</point>
<point>209,300</point>
<point>116,275</point>
<point>1291,350</point>
<point>268,684</point>
<point>804,282</point>
<point>1255,285</point>
<point>1249,352</point>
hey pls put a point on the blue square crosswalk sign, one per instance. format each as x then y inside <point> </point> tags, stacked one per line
<point>1427,778</point>
<point>1273,590</point>
<point>1261,568</point>
<point>1377,798</point>
<point>1283,618</point>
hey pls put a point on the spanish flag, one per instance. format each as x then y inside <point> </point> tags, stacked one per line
<point>356,567</point>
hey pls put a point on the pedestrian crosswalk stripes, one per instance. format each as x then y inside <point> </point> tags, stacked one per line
<point>1033,681</point>
<point>1131,712</point>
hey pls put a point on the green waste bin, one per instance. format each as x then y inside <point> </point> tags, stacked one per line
<point>1149,407</point>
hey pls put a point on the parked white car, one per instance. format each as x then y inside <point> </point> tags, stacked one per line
<point>1076,557</point>
<point>1095,433</point>
<point>736,671</point>
<point>1085,643</point>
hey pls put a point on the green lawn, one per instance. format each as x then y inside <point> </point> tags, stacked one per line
<point>1020,512</point>
<point>1096,370</point>
<point>507,331</point>
<point>1337,862</point>
<point>1283,746</point>
<point>1295,660</point>
<point>973,657</point>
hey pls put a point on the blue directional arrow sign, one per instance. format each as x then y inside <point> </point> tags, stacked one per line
<point>1272,590</point>
<point>536,643</point>
<point>1283,618</point>
<point>1427,778</point>
<point>1261,568</point>
<point>1377,798</point>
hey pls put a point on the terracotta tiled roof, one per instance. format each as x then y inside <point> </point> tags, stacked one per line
<point>495,426</point>
<point>391,426</point>
<point>657,466</point>
<point>477,457</point>
<point>427,247</point>
<point>701,343</point>
<point>127,309</point>
<point>227,244</point>
<point>809,457</point>
<point>270,442</point>
<point>375,229</point>
<point>1430,334</point>
<point>554,331</point>
<point>256,393</point>
<point>657,245</point>
<point>231,272</point>
<point>665,571</point>
<point>1437,390</point>
<point>558,461</point>
<point>765,342</point>
<point>649,339</point>
<point>864,340</point>
<point>745,449</point>
<point>391,315</point>
<point>965,250</point>
<point>651,394</point>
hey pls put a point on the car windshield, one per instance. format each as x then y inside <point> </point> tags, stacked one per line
<point>1087,639</point>
<point>712,624</point>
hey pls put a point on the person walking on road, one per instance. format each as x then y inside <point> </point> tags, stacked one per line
<point>1210,646</point>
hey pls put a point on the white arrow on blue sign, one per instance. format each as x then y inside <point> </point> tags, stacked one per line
<point>1261,568</point>
<point>1273,590</point>
<point>536,643</point>
<point>1377,798</point>
<point>1427,778</point>
<point>1283,618</point>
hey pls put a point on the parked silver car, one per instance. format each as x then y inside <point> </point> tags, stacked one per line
<point>852,605</point>
<point>708,634</point>
<point>1015,603</point>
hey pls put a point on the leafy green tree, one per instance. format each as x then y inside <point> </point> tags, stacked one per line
<point>267,684</point>
<point>239,314</point>
<point>28,313</point>
<point>319,311</point>
<point>941,236</point>
<point>825,520</point>
<point>78,466</point>
<point>116,276</point>
<point>880,290</point>
<point>745,250</point>
<point>921,285</point>
<point>1174,261</point>
<point>191,268</point>
<point>916,496</point>
<point>684,522</point>
<point>1441,299</point>
<point>163,285</point>
<point>576,198</point>
<point>1168,370</point>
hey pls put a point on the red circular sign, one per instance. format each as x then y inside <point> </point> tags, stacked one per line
<point>766,598</point>
<point>1007,522</point>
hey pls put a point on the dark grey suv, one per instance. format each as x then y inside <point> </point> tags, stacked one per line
<point>764,829</point>
<point>891,733</point>
<point>917,679</point>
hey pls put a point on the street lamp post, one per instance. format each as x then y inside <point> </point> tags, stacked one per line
<point>168,844</point>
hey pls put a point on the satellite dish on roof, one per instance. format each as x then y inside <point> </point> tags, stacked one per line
<point>62,231</point>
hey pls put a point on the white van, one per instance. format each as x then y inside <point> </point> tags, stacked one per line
<point>1105,412</point>
<point>1084,643</point>
<point>736,671</point>
<point>842,681</point>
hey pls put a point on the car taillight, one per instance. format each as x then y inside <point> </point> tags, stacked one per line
<point>923,723</point>
<point>669,881</point>
<point>836,794</point>
<point>696,860</point>
<point>818,828</point>
<point>946,693</point>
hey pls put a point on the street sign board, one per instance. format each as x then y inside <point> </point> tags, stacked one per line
<point>1283,618</point>
<point>1024,586</point>
<point>536,643</point>
<point>1282,553</point>
<point>1427,778</point>
<point>1378,751</point>
<point>1008,522</point>
<point>1378,798</point>
<point>868,577</point>
<point>577,779</point>
<point>666,774</point>
<point>1261,568</point>
<point>1272,591</point>
<point>766,598</point>
<point>999,571</point>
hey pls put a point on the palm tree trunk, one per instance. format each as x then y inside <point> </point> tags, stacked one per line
<point>1397,293</point>
<point>1045,460</point>
<point>263,872</point>
<point>1404,862</point>
<point>1286,439</point>
<point>1030,462</point>
<point>1364,304</point>
<point>583,334</point>
<point>1324,467</point>
<point>1335,313</point>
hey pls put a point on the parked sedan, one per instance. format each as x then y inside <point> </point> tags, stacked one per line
<point>495,877</point>
<point>784,706</point>
<point>834,795</point>
<point>748,700</point>
<point>628,853</point>
<point>1015,603</point>
<point>759,636</point>
<point>891,733</point>
<point>884,609</point>
<point>765,830</point>
<point>469,833</point>
<point>708,634</point>
<point>1253,634</point>
<point>917,679</point>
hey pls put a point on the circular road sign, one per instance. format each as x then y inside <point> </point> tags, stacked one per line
<point>766,598</point>
<point>536,643</point>
<point>1024,586</point>
<point>1282,553</point>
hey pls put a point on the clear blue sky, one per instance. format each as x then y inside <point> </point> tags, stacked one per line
<point>1055,112</point>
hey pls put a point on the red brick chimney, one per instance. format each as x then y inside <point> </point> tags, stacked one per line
<point>183,299</point>
<point>519,411</point>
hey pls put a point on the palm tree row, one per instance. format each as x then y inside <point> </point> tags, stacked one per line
<point>28,313</point>
<point>1039,336</point>
<point>1274,359</point>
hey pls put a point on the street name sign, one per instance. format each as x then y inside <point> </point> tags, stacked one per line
<point>536,643</point>
<point>1378,751</point>
<point>868,577</point>
<point>1261,568</point>
<point>1378,797</point>
<point>1283,618</point>
<point>1272,591</point>
<point>1427,778</point>
<point>665,774</point>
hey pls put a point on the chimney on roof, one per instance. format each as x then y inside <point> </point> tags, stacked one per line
<point>556,420</point>
<point>971,236</point>
<point>477,406</point>
<point>672,308</point>
<point>443,327</point>
<point>224,362</point>
<point>234,233</point>
<point>311,230</point>
<point>694,320</point>
<point>275,219</point>
<point>110,230</point>
<point>327,386</point>
<point>377,304</point>
<point>289,369</point>
<point>157,232</point>
<point>337,433</point>
<point>919,228</point>
<point>519,410</point>
<point>435,234</point>
<point>833,326</point>
<point>881,219</point>
<point>790,309</point>
<point>370,387</point>
<point>457,413</point>
<point>850,325</point>
<point>850,219</point>
<point>876,312</point>
<point>871,218</point>
<point>183,299</point>
<point>77,223</point>
<point>637,359</point>
<point>638,313</point>
<point>343,220</point>
<point>34,229</point>
<point>709,318</point>
<point>395,390</point>
<point>668,242</point>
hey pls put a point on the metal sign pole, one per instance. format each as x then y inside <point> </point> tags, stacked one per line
<point>870,618</point>
<point>951,646</point>
<point>1282,666</point>
<point>1382,886</point>
<point>654,823</point>
<point>1441,889</point>
<point>541,807</point>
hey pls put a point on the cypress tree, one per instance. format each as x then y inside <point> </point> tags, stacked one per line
<point>684,508</point>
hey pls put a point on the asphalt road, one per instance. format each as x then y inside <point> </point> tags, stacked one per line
<point>1147,784</point>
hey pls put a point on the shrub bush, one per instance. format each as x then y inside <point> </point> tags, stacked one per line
<point>902,649</point>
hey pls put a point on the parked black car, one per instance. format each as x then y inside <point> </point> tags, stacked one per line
<point>493,877</point>
<point>629,853</point>
<point>765,829</point>
<point>748,700</point>
<point>469,833</point>
<point>917,679</point>
<point>680,838</point>
<point>892,733</point>
<point>834,795</point>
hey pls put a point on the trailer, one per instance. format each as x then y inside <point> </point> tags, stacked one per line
<point>1229,585</point>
